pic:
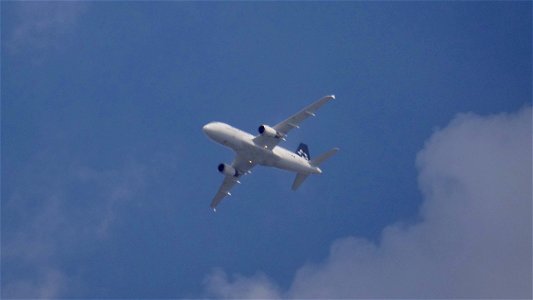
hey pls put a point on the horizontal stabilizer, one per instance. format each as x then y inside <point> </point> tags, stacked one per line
<point>300,177</point>
<point>317,161</point>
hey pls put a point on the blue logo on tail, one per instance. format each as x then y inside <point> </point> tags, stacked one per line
<point>303,151</point>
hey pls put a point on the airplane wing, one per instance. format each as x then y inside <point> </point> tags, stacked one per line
<point>243,166</point>
<point>292,122</point>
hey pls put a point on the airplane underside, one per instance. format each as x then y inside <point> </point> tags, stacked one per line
<point>263,150</point>
<point>255,154</point>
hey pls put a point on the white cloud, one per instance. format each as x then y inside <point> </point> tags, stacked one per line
<point>33,246</point>
<point>256,287</point>
<point>48,284</point>
<point>42,24</point>
<point>58,212</point>
<point>116,186</point>
<point>474,238</point>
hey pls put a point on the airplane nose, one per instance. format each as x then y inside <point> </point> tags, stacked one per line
<point>207,128</point>
<point>210,128</point>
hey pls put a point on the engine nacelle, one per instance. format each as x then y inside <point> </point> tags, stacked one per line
<point>227,170</point>
<point>269,131</point>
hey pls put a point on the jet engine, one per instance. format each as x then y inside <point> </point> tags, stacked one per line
<point>227,170</point>
<point>269,131</point>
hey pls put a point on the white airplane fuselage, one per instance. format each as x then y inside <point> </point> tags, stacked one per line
<point>243,144</point>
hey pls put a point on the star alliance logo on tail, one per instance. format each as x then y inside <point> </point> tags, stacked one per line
<point>303,151</point>
<point>302,154</point>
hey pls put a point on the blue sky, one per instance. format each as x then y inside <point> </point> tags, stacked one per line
<point>107,176</point>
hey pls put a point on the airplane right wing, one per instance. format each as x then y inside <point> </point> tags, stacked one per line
<point>292,122</point>
<point>242,165</point>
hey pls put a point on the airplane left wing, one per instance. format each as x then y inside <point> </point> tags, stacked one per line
<point>223,191</point>
<point>292,122</point>
<point>243,166</point>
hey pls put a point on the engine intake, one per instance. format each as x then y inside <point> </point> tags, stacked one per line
<point>227,170</point>
<point>269,131</point>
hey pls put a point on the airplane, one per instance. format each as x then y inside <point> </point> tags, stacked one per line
<point>263,149</point>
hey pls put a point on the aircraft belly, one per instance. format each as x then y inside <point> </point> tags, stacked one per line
<point>279,158</point>
<point>292,165</point>
<point>237,142</point>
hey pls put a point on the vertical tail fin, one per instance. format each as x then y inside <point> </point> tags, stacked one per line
<point>303,151</point>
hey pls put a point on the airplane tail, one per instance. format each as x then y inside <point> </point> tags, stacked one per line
<point>300,177</point>
<point>303,151</point>
<point>317,161</point>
